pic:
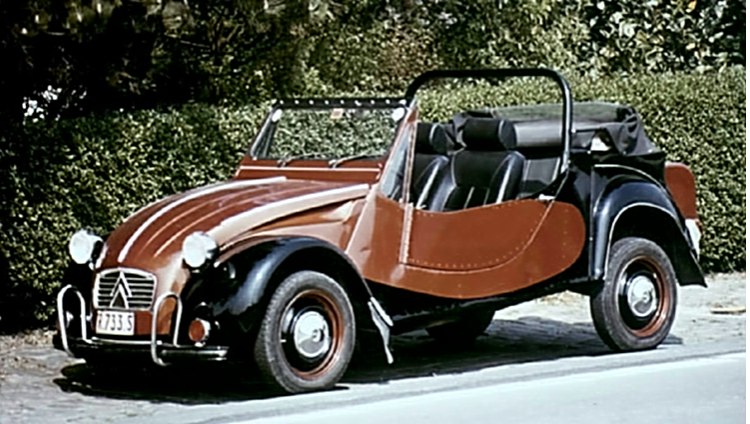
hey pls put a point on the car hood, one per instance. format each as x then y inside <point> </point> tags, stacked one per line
<point>151,239</point>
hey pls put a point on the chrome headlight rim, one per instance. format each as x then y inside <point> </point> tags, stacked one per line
<point>83,246</point>
<point>198,250</point>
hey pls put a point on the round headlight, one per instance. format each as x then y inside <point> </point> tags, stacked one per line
<point>83,245</point>
<point>198,249</point>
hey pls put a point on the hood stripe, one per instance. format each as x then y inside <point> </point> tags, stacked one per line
<point>199,193</point>
<point>243,204</point>
<point>272,211</point>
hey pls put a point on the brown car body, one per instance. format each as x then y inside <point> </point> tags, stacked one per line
<point>414,267</point>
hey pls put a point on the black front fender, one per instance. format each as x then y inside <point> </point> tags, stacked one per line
<point>238,287</point>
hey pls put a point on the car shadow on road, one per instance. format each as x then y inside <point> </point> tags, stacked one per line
<point>527,339</point>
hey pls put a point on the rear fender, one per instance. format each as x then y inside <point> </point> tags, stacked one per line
<point>634,207</point>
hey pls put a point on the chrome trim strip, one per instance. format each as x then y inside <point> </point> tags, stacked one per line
<point>630,168</point>
<point>153,343</point>
<point>195,195</point>
<point>154,320</point>
<point>610,165</point>
<point>383,323</point>
<point>115,342</point>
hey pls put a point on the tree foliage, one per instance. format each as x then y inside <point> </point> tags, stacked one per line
<point>108,54</point>
<point>87,56</point>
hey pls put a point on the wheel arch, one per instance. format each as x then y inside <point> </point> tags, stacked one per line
<point>639,208</point>
<point>269,262</point>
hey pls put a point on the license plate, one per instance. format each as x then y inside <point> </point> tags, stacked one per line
<point>115,323</point>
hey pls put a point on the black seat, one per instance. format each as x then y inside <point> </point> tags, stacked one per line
<point>540,141</point>
<point>487,171</point>
<point>430,161</point>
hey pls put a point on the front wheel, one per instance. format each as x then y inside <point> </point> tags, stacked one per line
<point>306,338</point>
<point>635,307</point>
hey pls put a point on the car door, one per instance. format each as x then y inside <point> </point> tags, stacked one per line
<point>492,249</point>
<point>469,253</point>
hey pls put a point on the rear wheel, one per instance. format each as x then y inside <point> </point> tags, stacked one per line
<point>635,307</point>
<point>307,336</point>
<point>465,330</point>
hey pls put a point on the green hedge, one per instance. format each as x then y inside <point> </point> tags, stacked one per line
<point>92,172</point>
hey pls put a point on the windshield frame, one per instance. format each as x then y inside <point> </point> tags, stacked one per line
<point>258,149</point>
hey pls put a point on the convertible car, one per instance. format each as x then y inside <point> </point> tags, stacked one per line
<point>350,220</point>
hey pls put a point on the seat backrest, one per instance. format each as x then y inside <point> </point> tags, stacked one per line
<point>430,160</point>
<point>540,141</point>
<point>485,172</point>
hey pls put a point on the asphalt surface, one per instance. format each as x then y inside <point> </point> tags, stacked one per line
<point>706,389</point>
<point>539,362</point>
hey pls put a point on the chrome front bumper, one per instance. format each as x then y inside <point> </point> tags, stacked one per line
<point>159,350</point>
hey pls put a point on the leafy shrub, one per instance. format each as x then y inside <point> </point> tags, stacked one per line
<point>92,172</point>
<point>664,35</point>
<point>380,57</point>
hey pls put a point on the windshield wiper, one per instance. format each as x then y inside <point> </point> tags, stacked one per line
<point>334,163</point>
<point>285,161</point>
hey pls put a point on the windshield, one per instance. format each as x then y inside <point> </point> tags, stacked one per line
<point>329,129</point>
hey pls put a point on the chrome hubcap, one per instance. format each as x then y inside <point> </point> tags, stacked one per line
<point>312,335</point>
<point>641,296</point>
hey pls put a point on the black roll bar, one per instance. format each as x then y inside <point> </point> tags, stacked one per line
<point>567,96</point>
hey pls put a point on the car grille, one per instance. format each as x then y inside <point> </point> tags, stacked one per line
<point>122,288</point>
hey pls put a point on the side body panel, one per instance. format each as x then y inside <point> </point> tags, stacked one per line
<point>470,254</point>
<point>681,184</point>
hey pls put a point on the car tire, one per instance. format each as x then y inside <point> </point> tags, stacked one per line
<point>635,306</point>
<point>465,330</point>
<point>307,336</point>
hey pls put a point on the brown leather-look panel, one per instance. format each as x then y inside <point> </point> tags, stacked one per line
<point>376,243</point>
<point>363,171</point>
<point>681,184</point>
<point>333,224</point>
<point>473,238</point>
<point>554,246</point>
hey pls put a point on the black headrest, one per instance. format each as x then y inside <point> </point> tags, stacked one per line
<point>432,139</point>
<point>489,134</point>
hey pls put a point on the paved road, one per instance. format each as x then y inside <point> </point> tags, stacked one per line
<point>707,389</point>
<point>545,341</point>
